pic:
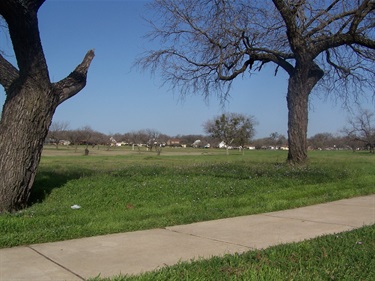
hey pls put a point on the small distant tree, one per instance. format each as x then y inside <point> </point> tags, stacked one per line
<point>361,127</point>
<point>86,135</point>
<point>153,138</point>
<point>277,139</point>
<point>98,139</point>
<point>58,131</point>
<point>138,138</point>
<point>231,128</point>
<point>321,140</point>
<point>74,137</point>
<point>348,141</point>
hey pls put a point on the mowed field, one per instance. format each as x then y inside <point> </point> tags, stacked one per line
<point>121,189</point>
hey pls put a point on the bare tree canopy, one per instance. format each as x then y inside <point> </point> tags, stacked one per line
<point>361,128</point>
<point>31,100</point>
<point>207,44</point>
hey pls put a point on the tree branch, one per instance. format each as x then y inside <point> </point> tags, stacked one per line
<point>22,20</point>
<point>360,14</point>
<point>353,35</point>
<point>236,72</point>
<point>8,73</point>
<point>365,42</point>
<point>262,58</point>
<point>76,81</point>
<point>321,13</point>
<point>294,35</point>
<point>341,71</point>
<point>326,22</point>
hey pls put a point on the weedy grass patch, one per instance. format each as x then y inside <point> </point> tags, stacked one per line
<point>137,191</point>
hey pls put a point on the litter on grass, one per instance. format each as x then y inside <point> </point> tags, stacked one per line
<point>75,207</point>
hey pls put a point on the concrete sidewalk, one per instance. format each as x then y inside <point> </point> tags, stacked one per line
<point>140,251</point>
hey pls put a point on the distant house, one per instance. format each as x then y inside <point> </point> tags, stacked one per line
<point>64,142</point>
<point>121,143</point>
<point>174,142</point>
<point>222,145</point>
<point>197,143</point>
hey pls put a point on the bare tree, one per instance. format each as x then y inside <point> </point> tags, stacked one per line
<point>31,100</point>
<point>277,140</point>
<point>87,134</point>
<point>74,137</point>
<point>361,128</point>
<point>207,44</point>
<point>57,131</point>
<point>138,138</point>
<point>153,138</point>
<point>322,141</point>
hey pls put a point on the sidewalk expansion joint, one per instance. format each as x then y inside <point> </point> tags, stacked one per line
<point>211,239</point>
<point>58,264</point>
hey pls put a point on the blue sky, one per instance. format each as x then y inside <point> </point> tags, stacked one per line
<point>119,98</point>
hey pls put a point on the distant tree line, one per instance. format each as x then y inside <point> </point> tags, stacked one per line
<point>147,137</point>
<point>60,134</point>
<point>232,129</point>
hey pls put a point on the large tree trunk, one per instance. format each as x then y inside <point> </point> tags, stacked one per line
<point>297,124</point>
<point>26,117</point>
<point>300,86</point>
<point>24,125</point>
<point>31,100</point>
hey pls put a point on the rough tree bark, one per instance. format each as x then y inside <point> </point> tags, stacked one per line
<point>31,100</point>
<point>300,85</point>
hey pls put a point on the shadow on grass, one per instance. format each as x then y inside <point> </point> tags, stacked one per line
<point>48,179</point>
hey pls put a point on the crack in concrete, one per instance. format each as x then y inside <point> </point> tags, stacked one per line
<point>58,264</point>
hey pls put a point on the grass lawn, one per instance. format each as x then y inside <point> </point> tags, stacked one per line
<point>123,190</point>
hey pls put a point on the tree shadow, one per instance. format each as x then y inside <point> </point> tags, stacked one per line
<point>48,180</point>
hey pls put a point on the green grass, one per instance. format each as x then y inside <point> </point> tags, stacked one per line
<point>343,256</point>
<point>123,190</point>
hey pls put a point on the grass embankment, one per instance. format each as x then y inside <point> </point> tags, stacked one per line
<point>122,190</point>
<point>343,256</point>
